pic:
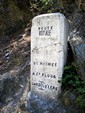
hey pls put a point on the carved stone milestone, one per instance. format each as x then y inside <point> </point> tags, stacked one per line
<point>48,55</point>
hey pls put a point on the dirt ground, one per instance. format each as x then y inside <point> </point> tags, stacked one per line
<point>14,52</point>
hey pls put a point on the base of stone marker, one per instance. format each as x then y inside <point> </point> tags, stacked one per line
<point>36,104</point>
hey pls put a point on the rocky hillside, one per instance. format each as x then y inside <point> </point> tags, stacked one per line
<point>15,24</point>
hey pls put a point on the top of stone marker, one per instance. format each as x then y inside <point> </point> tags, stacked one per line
<point>50,14</point>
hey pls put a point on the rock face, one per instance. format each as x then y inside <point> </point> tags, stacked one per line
<point>43,104</point>
<point>14,87</point>
<point>80,53</point>
<point>77,40</point>
<point>14,77</point>
<point>8,86</point>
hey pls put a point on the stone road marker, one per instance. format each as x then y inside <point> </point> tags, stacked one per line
<point>48,54</point>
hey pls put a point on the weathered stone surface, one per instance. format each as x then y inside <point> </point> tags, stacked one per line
<point>13,89</point>
<point>77,41</point>
<point>48,53</point>
<point>8,86</point>
<point>80,55</point>
<point>48,56</point>
<point>44,105</point>
<point>14,74</point>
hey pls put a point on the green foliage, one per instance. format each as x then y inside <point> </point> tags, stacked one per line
<point>81,100</point>
<point>15,13</point>
<point>42,6</point>
<point>71,80</point>
<point>46,2</point>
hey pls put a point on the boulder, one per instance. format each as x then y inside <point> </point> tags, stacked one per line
<point>14,86</point>
<point>9,85</point>
<point>77,41</point>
